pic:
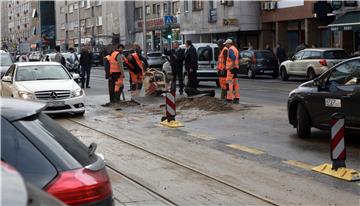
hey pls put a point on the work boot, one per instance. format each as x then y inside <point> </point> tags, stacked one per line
<point>236,101</point>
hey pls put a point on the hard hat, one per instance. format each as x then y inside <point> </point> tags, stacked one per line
<point>228,41</point>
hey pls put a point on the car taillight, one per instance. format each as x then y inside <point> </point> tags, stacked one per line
<point>254,59</point>
<point>81,186</point>
<point>323,62</point>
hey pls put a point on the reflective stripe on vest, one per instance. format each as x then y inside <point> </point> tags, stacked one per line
<point>221,59</point>
<point>230,64</point>
<point>114,66</point>
<point>138,61</point>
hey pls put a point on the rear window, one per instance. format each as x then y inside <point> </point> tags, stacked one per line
<point>264,55</point>
<point>66,150</point>
<point>338,54</point>
<point>154,55</point>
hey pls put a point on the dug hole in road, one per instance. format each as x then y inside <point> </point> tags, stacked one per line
<point>194,164</point>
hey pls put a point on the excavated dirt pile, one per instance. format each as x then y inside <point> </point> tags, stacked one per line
<point>205,103</point>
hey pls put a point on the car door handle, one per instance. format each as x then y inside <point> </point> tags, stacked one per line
<point>347,96</point>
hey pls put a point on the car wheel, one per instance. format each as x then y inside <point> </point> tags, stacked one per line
<point>311,74</point>
<point>250,73</point>
<point>283,74</point>
<point>303,125</point>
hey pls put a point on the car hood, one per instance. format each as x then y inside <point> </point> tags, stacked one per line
<point>308,84</point>
<point>46,85</point>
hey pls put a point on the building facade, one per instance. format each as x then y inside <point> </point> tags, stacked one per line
<point>208,21</point>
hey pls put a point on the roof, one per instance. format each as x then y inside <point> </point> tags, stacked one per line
<point>14,109</point>
<point>36,63</point>
<point>348,21</point>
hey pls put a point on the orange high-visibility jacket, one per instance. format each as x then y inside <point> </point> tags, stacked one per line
<point>222,59</point>
<point>114,66</point>
<point>230,63</point>
<point>138,61</point>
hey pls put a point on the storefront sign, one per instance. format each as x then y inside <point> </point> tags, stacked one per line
<point>212,15</point>
<point>158,22</point>
<point>231,22</point>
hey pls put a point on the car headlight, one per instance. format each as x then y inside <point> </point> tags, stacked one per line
<point>77,93</point>
<point>25,95</point>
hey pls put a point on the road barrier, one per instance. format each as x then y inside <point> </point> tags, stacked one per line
<point>170,111</point>
<point>338,152</point>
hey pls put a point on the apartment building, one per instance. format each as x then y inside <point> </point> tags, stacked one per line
<point>208,21</point>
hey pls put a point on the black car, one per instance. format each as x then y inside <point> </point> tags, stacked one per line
<point>51,158</point>
<point>96,59</point>
<point>337,90</point>
<point>258,62</point>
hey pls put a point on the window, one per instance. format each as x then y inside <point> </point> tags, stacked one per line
<point>339,54</point>
<point>89,23</point>
<point>76,6</point>
<point>175,8</point>
<point>158,9</point>
<point>186,6</point>
<point>345,74</point>
<point>71,8</point>
<point>82,3</point>
<point>88,4</point>
<point>307,55</point>
<point>99,21</point>
<point>165,8</point>
<point>197,5</point>
<point>138,13</point>
<point>98,2</point>
<point>216,51</point>
<point>298,55</point>
<point>230,3</point>
<point>62,10</point>
<point>154,9</point>
<point>315,55</point>
<point>147,9</point>
<point>205,53</point>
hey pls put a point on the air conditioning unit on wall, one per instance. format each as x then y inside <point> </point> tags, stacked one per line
<point>273,5</point>
<point>266,5</point>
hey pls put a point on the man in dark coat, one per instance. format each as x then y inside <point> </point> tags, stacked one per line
<point>85,63</point>
<point>191,64</point>
<point>280,53</point>
<point>176,61</point>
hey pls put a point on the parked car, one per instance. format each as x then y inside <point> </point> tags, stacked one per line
<point>258,62</point>
<point>50,157</point>
<point>71,66</point>
<point>155,60</point>
<point>5,62</point>
<point>311,62</point>
<point>15,191</point>
<point>337,90</point>
<point>46,82</point>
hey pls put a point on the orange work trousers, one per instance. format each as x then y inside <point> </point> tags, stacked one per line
<point>136,83</point>
<point>233,88</point>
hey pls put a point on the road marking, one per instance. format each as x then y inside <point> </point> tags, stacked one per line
<point>201,136</point>
<point>299,164</point>
<point>246,149</point>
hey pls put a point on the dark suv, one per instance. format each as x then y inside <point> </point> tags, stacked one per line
<point>49,157</point>
<point>337,90</point>
<point>255,62</point>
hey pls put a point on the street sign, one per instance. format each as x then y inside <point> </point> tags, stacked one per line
<point>168,20</point>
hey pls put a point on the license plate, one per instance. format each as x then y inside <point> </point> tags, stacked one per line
<point>268,71</point>
<point>56,104</point>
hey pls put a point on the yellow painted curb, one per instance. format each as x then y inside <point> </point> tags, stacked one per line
<point>299,164</point>
<point>246,149</point>
<point>172,124</point>
<point>341,173</point>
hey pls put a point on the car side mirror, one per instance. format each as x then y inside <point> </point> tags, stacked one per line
<point>75,76</point>
<point>292,58</point>
<point>7,79</point>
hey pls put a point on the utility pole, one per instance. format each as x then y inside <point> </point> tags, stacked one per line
<point>79,29</point>
<point>144,29</point>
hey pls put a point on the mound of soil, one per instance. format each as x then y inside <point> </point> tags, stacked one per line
<point>205,103</point>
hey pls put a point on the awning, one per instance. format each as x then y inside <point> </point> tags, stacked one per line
<point>350,21</point>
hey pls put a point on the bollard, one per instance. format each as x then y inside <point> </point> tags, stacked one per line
<point>170,112</point>
<point>338,152</point>
<point>337,143</point>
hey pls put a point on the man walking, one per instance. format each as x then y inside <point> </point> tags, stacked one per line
<point>191,64</point>
<point>221,66</point>
<point>232,67</point>
<point>176,62</point>
<point>85,63</point>
<point>114,70</point>
<point>280,53</point>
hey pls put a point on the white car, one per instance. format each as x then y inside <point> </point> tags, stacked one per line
<point>46,82</point>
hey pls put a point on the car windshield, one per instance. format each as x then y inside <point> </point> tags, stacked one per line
<point>338,54</point>
<point>154,55</point>
<point>41,72</point>
<point>5,60</point>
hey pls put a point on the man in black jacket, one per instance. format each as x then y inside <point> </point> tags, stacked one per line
<point>191,64</point>
<point>85,63</point>
<point>176,62</point>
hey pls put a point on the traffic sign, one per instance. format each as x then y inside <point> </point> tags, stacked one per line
<point>168,20</point>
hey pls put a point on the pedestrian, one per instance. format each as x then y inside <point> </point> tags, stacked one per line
<point>313,46</point>
<point>221,67</point>
<point>280,53</point>
<point>176,61</point>
<point>74,57</point>
<point>23,58</point>
<point>267,47</point>
<point>114,70</point>
<point>191,64</point>
<point>85,63</point>
<point>135,64</point>
<point>300,47</point>
<point>232,69</point>
<point>59,57</point>
<point>250,47</point>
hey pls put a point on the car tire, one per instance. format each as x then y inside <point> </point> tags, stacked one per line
<point>311,74</point>
<point>303,124</point>
<point>250,73</point>
<point>283,74</point>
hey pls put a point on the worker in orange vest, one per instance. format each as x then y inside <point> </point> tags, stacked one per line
<point>221,66</point>
<point>232,68</point>
<point>134,61</point>
<point>115,73</point>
